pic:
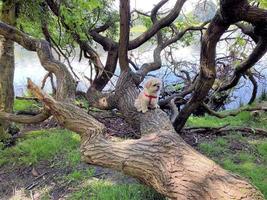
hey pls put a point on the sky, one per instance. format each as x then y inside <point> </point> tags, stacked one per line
<point>147,5</point>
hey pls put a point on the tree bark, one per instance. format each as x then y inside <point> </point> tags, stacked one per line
<point>160,159</point>
<point>207,73</point>
<point>7,66</point>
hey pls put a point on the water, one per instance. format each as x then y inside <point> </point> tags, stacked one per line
<point>27,65</point>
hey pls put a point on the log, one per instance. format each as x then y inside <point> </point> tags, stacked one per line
<point>160,158</point>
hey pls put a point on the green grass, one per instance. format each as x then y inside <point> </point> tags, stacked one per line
<point>249,162</point>
<point>242,119</point>
<point>42,145</point>
<point>94,189</point>
<point>26,105</point>
<point>63,145</point>
<point>211,121</point>
<point>80,175</point>
<point>104,190</point>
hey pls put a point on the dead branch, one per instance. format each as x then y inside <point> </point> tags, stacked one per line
<point>27,98</point>
<point>25,119</point>
<point>231,113</point>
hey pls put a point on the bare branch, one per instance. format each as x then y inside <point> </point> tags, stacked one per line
<point>65,83</point>
<point>231,113</point>
<point>25,119</point>
<point>255,87</point>
<point>253,58</point>
<point>164,22</point>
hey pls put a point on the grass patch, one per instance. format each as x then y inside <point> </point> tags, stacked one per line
<point>242,119</point>
<point>49,144</point>
<point>104,190</point>
<point>239,155</point>
<point>25,105</point>
<point>42,145</point>
<point>77,175</point>
<point>211,121</point>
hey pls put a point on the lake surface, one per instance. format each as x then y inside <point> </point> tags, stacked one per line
<point>27,65</point>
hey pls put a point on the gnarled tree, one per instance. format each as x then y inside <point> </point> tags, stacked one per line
<point>160,158</point>
<point>7,66</point>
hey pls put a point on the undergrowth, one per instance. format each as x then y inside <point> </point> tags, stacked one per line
<point>55,144</point>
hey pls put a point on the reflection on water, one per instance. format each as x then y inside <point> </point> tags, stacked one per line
<point>28,65</point>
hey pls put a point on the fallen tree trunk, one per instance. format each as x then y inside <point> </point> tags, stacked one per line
<point>160,159</point>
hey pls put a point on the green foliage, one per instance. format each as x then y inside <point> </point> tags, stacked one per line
<point>138,29</point>
<point>83,102</point>
<point>41,145</point>
<point>2,145</point>
<point>77,15</point>
<point>80,16</point>
<point>240,41</point>
<point>104,190</point>
<point>263,3</point>
<point>30,15</point>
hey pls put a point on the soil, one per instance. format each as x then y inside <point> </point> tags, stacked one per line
<point>21,183</point>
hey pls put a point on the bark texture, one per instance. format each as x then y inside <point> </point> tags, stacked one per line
<point>160,159</point>
<point>7,65</point>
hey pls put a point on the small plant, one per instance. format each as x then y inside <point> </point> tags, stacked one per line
<point>105,190</point>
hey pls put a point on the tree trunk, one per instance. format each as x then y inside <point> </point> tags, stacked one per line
<point>160,158</point>
<point>6,66</point>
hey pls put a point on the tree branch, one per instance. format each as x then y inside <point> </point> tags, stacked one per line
<point>207,73</point>
<point>223,130</point>
<point>255,87</point>
<point>25,119</point>
<point>124,34</point>
<point>164,22</point>
<point>231,113</point>
<point>257,53</point>
<point>66,85</point>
